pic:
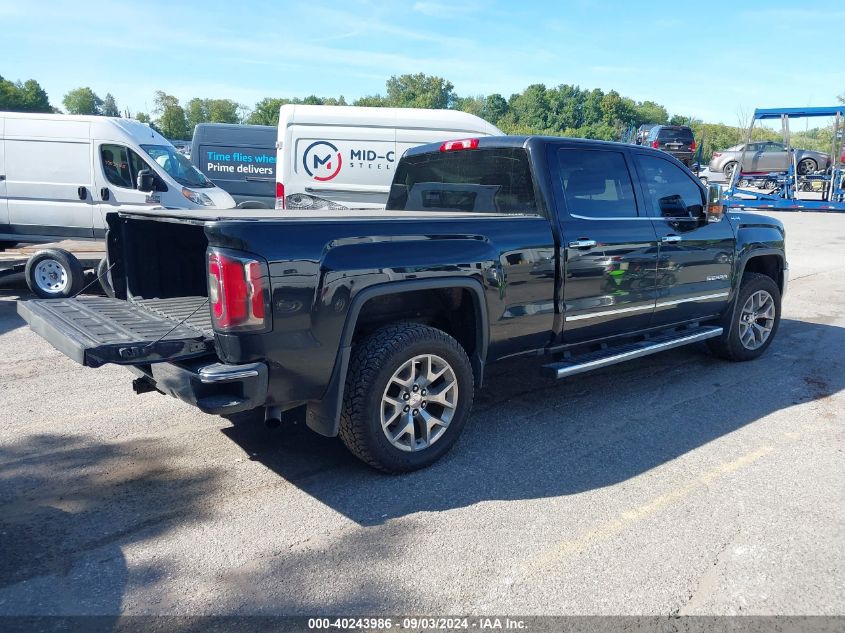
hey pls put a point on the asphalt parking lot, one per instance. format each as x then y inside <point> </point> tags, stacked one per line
<point>675,484</point>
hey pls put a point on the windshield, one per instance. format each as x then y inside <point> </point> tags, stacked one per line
<point>177,166</point>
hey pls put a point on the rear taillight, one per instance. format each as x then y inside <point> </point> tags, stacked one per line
<point>692,146</point>
<point>238,291</point>
<point>465,143</point>
<point>280,195</point>
<point>717,154</point>
<point>655,144</point>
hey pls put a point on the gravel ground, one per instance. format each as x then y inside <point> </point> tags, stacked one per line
<point>675,484</point>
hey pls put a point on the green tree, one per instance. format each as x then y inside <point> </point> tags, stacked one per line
<point>371,101</point>
<point>212,111</point>
<point>650,112</point>
<point>82,101</point>
<point>171,119</point>
<point>196,112</point>
<point>592,107</point>
<point>473,105</point>
<point>266,111</point>
<point>616,110</point>
<point>28,96</point>
<point>142,117</point>
<point>495,107</point>
<point>679,119</point>
<point>566,108</point>
<point>531,108</point>
<point>109,106</point>
<point>420,91</point>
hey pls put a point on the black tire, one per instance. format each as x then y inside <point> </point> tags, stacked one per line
<point>69,274</point>
<point>809,166</point>
<point>5,245</point>
<point>729,346</point>
<point>104,277</point>
<point>727,170</point>
<point>340,300</point>
<point>373,364</point>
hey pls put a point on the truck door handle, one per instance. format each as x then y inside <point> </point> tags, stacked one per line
<point>582,242</point>
<point>104,193</point>
<point>2,177</point>
<point>670,239</point>
<point>82,192</point>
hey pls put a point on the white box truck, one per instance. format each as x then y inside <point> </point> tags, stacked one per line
<point>60,175</point>
<point>343,157</point>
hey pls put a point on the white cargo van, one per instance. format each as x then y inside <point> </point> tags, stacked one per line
<point>339,157</point>
<point>60,175</point>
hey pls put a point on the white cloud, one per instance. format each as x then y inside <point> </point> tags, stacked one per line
<point>443,10</point>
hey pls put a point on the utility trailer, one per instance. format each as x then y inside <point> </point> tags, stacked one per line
<point>56,271</point>
<point>822,191</point>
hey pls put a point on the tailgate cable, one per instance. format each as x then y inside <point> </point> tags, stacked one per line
<point>163,336</point>
<point>97,278</point>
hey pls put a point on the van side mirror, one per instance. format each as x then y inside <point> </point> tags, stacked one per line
<point>146,181</point>
<point>715,203</point>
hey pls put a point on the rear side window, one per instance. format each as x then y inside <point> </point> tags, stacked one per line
<point>596,183</point>
<point>480,180</point>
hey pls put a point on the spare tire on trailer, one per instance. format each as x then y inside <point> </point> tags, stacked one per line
<point>54,273</point>
<point>104,277</point>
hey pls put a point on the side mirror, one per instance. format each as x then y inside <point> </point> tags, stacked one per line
<point>715,203</point>
<point>146,181</point>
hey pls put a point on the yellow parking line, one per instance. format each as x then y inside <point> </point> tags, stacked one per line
<point>562,549</point>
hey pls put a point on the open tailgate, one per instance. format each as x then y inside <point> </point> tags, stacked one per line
<point>94,331</point>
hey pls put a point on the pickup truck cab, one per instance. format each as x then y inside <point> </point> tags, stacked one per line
<point>381,322</point>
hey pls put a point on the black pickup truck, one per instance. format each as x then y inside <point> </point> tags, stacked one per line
<point>380,323</point>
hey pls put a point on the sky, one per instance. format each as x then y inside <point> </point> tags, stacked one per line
<point>712,60</point>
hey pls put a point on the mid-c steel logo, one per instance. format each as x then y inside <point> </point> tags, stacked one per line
<point>322,160</point>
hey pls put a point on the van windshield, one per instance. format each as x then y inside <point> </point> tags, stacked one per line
<point>481,180</point>
<point>177,166</point>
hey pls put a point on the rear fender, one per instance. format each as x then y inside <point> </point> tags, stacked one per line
<point>324,416</point>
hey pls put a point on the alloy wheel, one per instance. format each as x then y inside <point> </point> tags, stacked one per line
<point>756,320</point>
<point>419,402</point>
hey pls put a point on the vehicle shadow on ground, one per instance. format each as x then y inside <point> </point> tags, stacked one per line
<point>9,319</point>
<point>530,437</point>
<point>68,507</point>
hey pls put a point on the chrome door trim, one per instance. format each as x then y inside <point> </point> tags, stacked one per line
<point>661,304</point>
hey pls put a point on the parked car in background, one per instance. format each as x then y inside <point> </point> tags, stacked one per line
<point>238,158</point>
<point>766,156</point>
<point>642,132</point>
<point>343,157</point>
<point>677,140</point>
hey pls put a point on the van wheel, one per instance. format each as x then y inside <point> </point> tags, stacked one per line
<point>104,277</point>
<point>754,321</point>
<point>408,395</point>
<point>54,274</point>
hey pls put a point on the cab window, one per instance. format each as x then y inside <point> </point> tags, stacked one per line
<point>596,183</point>
<point>121,165</point>
<point>672,193</point>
